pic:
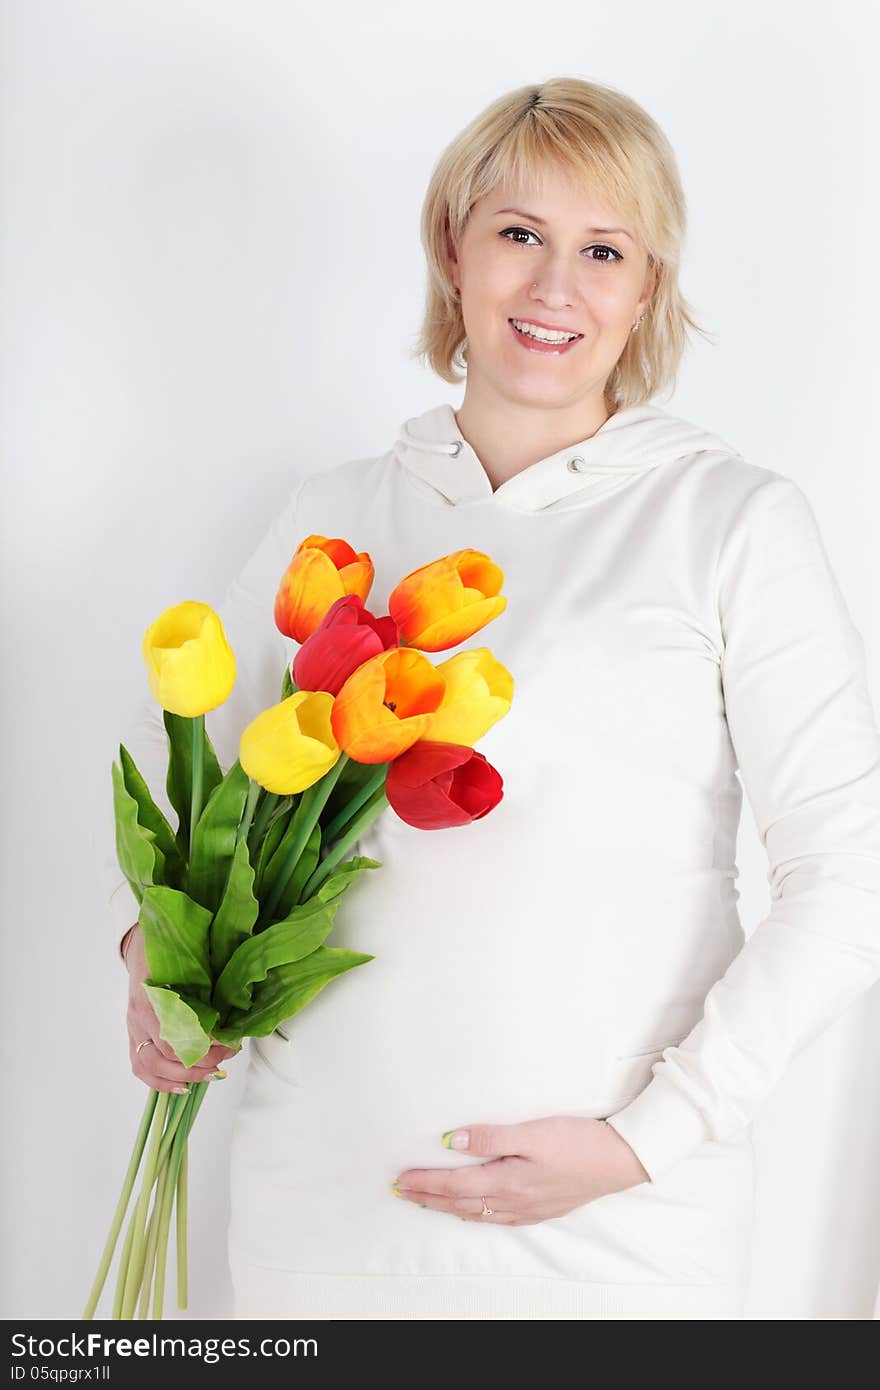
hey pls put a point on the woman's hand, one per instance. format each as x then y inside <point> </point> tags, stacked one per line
<point>157,1064</point>
<point>543,1168</point>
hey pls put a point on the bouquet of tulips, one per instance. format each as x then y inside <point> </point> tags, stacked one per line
<point>236,902</point>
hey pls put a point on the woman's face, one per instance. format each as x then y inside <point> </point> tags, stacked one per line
<point>546,255</point>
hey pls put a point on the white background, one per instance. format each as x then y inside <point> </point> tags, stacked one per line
<point>211,274</point>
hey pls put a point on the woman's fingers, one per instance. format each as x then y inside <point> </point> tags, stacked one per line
<point>151,1067</point>
<point>157,1064</point>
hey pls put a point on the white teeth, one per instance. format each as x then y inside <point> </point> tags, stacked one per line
<point>544,335</point>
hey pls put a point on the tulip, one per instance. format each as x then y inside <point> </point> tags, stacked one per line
<point>479,691</point>
<point>291,745</point>
<point>321,571</point>
<point>347,636</point>
<point>385,705</point>
<point>433,786</point>
<point>445,602</point>
<point>190,664</point>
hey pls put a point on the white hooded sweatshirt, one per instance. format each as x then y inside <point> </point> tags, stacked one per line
<point>672,618</point>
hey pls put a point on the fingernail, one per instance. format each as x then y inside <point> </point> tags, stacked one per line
<point>181,1090</point>
<point>218,1075</point>
<point>455,1139</point>
<point>395,1191</point>
<point>423,1204</point>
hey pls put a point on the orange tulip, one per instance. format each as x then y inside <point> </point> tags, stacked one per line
<point>385,705</point>
<point>443,603</point>
<point>322,570</point>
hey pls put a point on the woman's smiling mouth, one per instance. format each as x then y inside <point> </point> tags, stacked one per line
<point>535,344</point>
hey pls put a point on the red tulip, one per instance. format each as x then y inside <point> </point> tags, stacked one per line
<point>436,785</point>
<point>347,636</point>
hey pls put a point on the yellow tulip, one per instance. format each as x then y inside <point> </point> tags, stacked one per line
<point>190,664</point>
<point>479,691</point>
<point>290,746</point>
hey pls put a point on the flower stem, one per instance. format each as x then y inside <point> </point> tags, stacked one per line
<point>198,759</point>
<point>180,1230</point>
<point>338,823</point>
<point>254,790</point>
<point>268,804</point>
<point>317,793</point>
<point>194,1100</point>
<point>373,809</point>
<point>136,1257</point>
<point>121,1205</point>
<point>152,1233</point>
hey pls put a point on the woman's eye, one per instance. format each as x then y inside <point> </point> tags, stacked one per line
<point>609,259</point>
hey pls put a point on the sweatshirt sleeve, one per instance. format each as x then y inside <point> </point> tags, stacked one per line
<point>805,738</point>
<point>261,653</point>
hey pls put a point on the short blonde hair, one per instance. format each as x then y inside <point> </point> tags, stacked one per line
<point>611,147</point>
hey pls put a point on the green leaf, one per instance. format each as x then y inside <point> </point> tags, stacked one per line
<point>179,780</point>
<point>176,940</point>
<point>287,686</point>
<point>237,913</point>
<point>140,858</point>
<point>179,1024</point>
<point>344,875</point>
<point>297,936</point>
<point>273,837</point>
<point>213,846</point>
<point>151,818</point>
<point>205,1013</point>
<point>286,990</point>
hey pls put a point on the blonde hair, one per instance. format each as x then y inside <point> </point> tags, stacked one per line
<point>612,147</point>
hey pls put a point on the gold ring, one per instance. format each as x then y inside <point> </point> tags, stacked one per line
<point>143,1044</point>
<point>487,1210</point>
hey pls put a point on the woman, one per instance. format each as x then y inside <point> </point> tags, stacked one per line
<point>566,982</point>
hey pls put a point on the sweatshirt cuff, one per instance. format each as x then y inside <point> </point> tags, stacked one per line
<point>661,1126</point>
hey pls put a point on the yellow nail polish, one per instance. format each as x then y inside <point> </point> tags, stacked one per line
<point>218,1075</point>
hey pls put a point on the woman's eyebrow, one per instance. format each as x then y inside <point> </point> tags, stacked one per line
<point>591,231</point>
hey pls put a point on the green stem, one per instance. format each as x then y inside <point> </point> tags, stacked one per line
<point>330,832</point>
<point>194,1101</point>
<point>317,795</point>
<point>152,1233</point>
<point>198,759</point>
<point>254,790</point>
<point>136,1257</point>
<point>122,1272</point>
<point>175,1115</point>
<point>268,805</point>
<point>182,1203</point>
<point>121,1205</point>
<point>180,1231</point>
<point>175,1112</point>
<point>125,1257</point>
<point>373,809</point>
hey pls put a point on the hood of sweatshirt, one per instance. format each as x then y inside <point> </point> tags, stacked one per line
<point>432,449</point>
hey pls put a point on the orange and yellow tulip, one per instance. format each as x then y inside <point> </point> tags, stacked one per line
<point>322,570</point>
<point>190,664</point>
<point>291,745</point>
<point>443,603</point>
<point>385,705</point>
